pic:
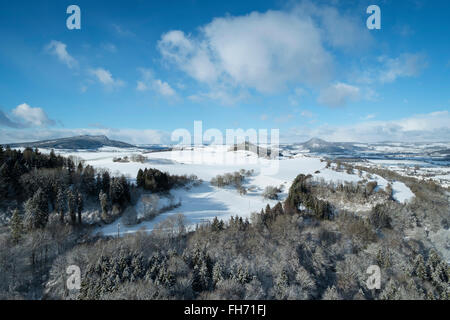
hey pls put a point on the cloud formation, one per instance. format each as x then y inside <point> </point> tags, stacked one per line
<point>339,94</point>
<point>5,121</point>
<point>105,77</point>
<point>429,127</point>
<point>262,51</point>
<point>387,69</point>
<point>148,82</point>
<point>59,50</point>
<point>32,116</point>
<point>434,126</point>
<point>269,52</point>
<point>406,65</point>
<point>266,52</point>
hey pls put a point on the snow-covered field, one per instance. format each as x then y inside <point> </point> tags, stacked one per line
<point>416,169</point>
<point>204,202</point>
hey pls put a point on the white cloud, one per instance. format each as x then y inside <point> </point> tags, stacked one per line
<point>338,94</point>
<point>369,116</point>
<point>59,50</point>
<point>406,65</point>
<point>122,31</point>
<point>105,77</point>
<point>388,69</point>
<point>148,82</point>
<point>266,52</point>
<point>403,30</point>
<point>298,93</point>
<point>189,55</point>
<point>141,86</point>
<point>284,118</point>
<point>223,95</point>
<point>339,30</point>
<point>433,126</point>
<point>306,114</point>
<point>164,88</point>
<point>262,51</point>
<point>110,47</point>
<point>32,116</point>
<point>5,121</point>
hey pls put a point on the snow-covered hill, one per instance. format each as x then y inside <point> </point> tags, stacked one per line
<point>204,202</point>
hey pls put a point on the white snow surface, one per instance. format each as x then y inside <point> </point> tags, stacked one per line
<point>203,203</point>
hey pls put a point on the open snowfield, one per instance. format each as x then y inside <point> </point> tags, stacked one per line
<point>203,203</point>
<point>417,169</point>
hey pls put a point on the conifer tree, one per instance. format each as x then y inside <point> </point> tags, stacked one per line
<point>16,226</point>
<point>106,180</point>
<point>98,183</point>
<point>281,284</point>
<point>419,267</point>
<point>79,206</point>
<point>61,203</point>
<point>217,273</point>
<point>36,210</point>
<point>71,205</point>
<point>103,203</point>
<point>331,294</point>
<point>140,178</point>
<point>217,225</point>
<point>80,168</point>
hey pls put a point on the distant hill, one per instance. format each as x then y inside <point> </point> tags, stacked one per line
<point>321,146</point>
<point>78,142</point>
<point>440,152</point>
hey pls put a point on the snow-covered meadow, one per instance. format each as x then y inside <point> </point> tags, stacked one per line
<point>204,202</point>
<point>417,169</point>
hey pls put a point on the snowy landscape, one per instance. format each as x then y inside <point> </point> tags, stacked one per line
<point>202,203</point>
<point>117,192</point>
<point>224,150</point>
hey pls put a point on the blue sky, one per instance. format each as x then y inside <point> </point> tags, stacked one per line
<point>137,70</point>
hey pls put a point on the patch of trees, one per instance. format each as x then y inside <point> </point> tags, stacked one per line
<point>14,163</point>
<point>379,217</point>
<point>315,259</point>
<point>138,158</point>
<point>134,157</point>
<point>269,215</point>
<point>155,180</point>
<point>271,192</point>
<point>235,179</point>
<point>428,207</point>
<point>361,189</point>
<point>301,198</point>
<point>49,185</point>
<point>122,160</point>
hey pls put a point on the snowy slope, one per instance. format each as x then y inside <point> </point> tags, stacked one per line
<point>203,203</point>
